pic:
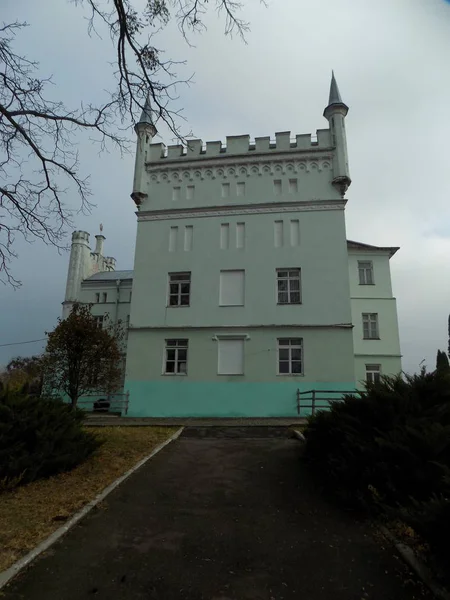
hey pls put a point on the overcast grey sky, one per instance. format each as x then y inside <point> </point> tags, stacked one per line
<point>391,64</point>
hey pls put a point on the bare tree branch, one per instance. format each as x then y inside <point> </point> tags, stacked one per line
<point>38,153</point>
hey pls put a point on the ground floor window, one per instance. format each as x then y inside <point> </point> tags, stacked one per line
<point>175,359</point>
<point>99,321</point>
<point>290,356</point>
<point>373,373</point>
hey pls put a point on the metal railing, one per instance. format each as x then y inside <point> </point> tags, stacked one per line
<point>320,399</point>
<point>112,404</point>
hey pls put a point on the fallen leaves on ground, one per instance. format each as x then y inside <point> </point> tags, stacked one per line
<point>30,513</point>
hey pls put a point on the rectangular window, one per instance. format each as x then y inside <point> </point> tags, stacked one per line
<point>179,289</point>
<point>105,297</point>
<point>176,193</point>
<point>225,190</point>
<point>175,359</point>
<point>188,237</point>
<point>370,326</point>
<point>231,288</point>
<point>231,357</point>
<point>277,187</point>
<point>293,189</point>
<point>99,321</point>
<point>373,373</point>
<point>365,270</point>
<point>240,188</point>
<point>278,233</point>
<point>130,295</point>
<point>240,235</point>
<point>173,234</point>
<point>190,189</point>
<point>224,236</point>
<point>288,286</point>
<point>97,297</point>
<point>290,356</point>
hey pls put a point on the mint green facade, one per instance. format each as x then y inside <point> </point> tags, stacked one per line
<point>259,392</point>
<point>227,399</point>
<point>257,207</point>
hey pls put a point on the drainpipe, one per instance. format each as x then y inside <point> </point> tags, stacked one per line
<point>116,315</point>
<point>117,301</point>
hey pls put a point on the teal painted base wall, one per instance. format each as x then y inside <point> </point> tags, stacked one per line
<point>227,399</point>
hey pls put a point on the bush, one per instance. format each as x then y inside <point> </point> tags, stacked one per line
<point>431,520</point>
<point>389,451</point>
<point>39,437</point>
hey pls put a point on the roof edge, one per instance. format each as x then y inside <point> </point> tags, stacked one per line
<point>353,245</point>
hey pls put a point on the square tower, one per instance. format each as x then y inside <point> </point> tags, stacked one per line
<point>241,282</point>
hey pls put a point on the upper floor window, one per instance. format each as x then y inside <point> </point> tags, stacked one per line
<point>175,359</point>
<point>290,356</point>
<point>288,290</point>
<point>105,297</point>
<point>365,270</point>
<point>373,373</point>
<point>97,297</point>
<point>370,326</point>
<point>179,289</point>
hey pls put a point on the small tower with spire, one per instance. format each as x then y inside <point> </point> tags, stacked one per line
<point>336,112</point>
<point>145,131</point>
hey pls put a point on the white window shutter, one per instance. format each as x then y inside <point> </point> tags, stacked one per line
<point>231,291</point>
<point>231,357</point>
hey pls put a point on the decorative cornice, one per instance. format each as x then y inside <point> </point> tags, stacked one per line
<point>237,167</point>
<point>232,327</point>
<point>291,154</point>
<point>243,209</point>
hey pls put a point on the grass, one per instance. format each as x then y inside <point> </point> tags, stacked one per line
<point>32,512</point>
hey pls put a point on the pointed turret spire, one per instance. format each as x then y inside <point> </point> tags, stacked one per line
<point>335,96</point>
<point>146,116</point>
<point>335,113</point>
<point>145,132</point>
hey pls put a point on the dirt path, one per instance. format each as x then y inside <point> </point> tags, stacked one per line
<point>219,516</point>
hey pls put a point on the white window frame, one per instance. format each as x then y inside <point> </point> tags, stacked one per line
<point>104,297</point>
<point>292,274</point>
<point>97,297</point>
<point>373,372</point>
<point>184,279</point>
<point>175,344</point>
<point>371,320</point>
<point>99,319</point>
<point>365,272</point>
<point>290,344</point>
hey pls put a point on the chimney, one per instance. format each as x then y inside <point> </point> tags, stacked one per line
<point>99,244</point>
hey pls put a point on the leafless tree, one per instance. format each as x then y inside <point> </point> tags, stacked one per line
<point>38,136</point>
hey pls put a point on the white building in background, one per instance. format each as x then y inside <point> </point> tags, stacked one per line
<point>245,288</point>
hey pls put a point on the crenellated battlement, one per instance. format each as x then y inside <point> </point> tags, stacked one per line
<point>240,145</point>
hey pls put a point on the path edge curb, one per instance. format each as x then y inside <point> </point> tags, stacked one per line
<point>22,563</point>
<point>415,564</point>
<point>299,435</point>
